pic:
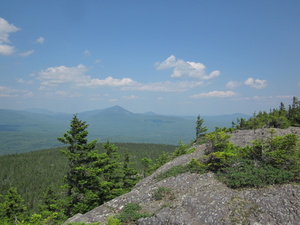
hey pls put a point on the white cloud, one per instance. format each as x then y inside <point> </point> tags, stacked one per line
<point>97,61</point>
<point>164,86</point>
<point>54,76</point>
<point>113,100</point>
<point>76,77</point>
<point>63,93</point>
<point>257,83</point>
<point>87,53</point>
<point>214,94</point>
<point>20,80</point>
<point>7,49</point>
<point>6,91</point>
<point>5,30</point>
<point>109,81</point>
<point>40,40</point>
<point>188,69</point>
<point>10,92</point>
<point>233,84</point>
<point>25,54</point>
<point>130,97</point>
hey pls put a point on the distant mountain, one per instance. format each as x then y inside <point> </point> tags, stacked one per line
<point>33,129</point>
<point>39,111</point>
<point>149,113</point>
<point>115,110</point>
<point>43,111</point>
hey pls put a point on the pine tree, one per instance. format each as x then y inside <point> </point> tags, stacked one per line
<point>112,171</point>
<point>146,165</point>
<point>51,207</point>
<point>130,174</point>
<point>13,206</point>
<point>94,177</point>
<point>80,179</point>
<point>200,129</point>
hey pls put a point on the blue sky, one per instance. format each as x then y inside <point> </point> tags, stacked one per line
<point>173,57</point>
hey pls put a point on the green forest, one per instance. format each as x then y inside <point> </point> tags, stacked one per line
<point>49,186</point>
<point>277,118</point>
<point>33,172</point>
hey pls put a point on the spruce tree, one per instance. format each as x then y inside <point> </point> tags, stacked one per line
<point>112,171</point>
<point>130,174</point>
<point>94,177</point>
<point>13,208</point>
<point>200,129</point>
<point>80,179</point>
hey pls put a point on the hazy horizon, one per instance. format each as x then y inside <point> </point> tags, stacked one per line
<point>36,109</point>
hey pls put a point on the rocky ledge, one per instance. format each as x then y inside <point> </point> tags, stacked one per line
<point>202,199</point>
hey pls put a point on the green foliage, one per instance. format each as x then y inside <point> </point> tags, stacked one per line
<point>131,176</point>
<point>51,208</point>
<point>272,161</point>
<point>283,152</point>
<point>218,140</point>
<point>50,166</point>
<point>163,193</point>
<point>191,150</point>
<point>277,118</point>
<point>113,221</point>
<point>172,172</point>
<point>248,173</point>
<point>146,163</point>
<point>94,177</point>
<point>180,150</point>
<point>12,208</point>
<point>82,179</point>
<point>82,223</point>
<point>194,166</point>
<point>200,129</point>
<point>131,213</point>
<point>221,152</point>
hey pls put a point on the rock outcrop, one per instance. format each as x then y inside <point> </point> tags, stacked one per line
<point>202,199</point>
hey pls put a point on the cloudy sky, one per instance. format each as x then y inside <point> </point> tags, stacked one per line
<point>178,57</point>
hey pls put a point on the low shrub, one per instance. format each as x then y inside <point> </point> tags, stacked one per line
<point>163,193</point>
<point>174,171</point>
<point>247,173</point>
<point>131,214</point>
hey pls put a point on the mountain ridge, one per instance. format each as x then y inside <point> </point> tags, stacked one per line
<point>22,131</point>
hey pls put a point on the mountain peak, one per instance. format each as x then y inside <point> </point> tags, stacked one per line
<point>116,110</point>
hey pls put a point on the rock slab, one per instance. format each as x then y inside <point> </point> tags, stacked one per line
<point>202,199</point>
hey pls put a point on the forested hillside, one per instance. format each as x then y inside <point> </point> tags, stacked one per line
<point>33,172</point>
<point>277,118</point>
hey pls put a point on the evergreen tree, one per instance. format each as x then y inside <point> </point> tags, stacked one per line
<point>146,165</point>
<point>13,208</point>
<point>294,112</point>
<point>130,174</point>
<point>276,118</point>
<point>51,207</point>
<point>200,129</point>
<point>81,178</point>
<point>112,171</point>
<point>94,177</point>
